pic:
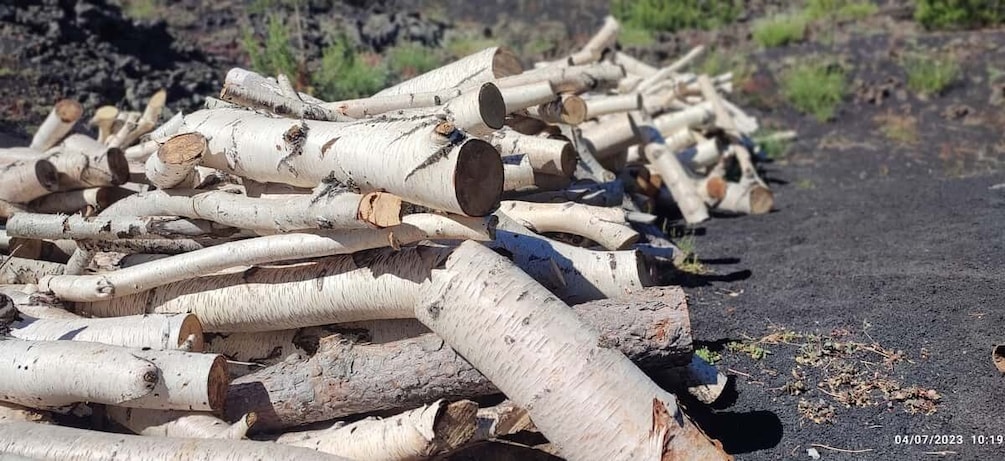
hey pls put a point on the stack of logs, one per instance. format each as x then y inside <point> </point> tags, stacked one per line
<point>276,261</point>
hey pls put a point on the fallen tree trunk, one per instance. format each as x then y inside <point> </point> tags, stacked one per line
<point>261,250</point>
<point>22,439</point>
<point>174,423</point>
<point>57,124</point>
<point>419,154</point>
<point>481,67</point>
<point>156,331</point>
<point>421,433</point>
<point>359,378</point>
<point>544,358</point>
<point>605,226</point>
<point>45,374</point>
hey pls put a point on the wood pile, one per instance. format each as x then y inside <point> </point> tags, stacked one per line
<point>358,279</point>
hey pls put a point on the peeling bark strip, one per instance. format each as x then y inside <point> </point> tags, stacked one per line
<point>344,378</point>
<point>470,71</point>
<point>585,397</point>
<point>42,374</point>
<point>379,154</point>
<point>22,439</point>
<point>416,434</point>
<point>57,124</point>
<point>158,331</point>
<point>261,250</point>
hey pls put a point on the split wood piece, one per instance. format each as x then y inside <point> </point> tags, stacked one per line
<point>57,124</point>
<point>594,49</point>
<point>25,180</point>
<point>692,117</point>
<point>10,413</point>
<point>36,305</point>
<point>423,160</point>
<point>500,420</point>
<point>84,201</point>
<point>22,439</point>
<point>518,172</point>
<point>175,423</point>
<point>522,97</point>
<point>156,331</point>
<point>746,197</point>
<point>187,381</point>
<point>329,208</point>
<point>250,89</point>
<point>76,227</point>
<point>574,274</point>
<point>176,160</point>
<point>633,66</point>
<point>45,374</point>
<point>261,250</point>
<point>16,271</point>
<point>699,378</point>
<point>605,226</point>
<point>678,182</point>
<point>345,377</point>
<point>104,118</point>
<point>548,156</point>
<point>546,359</point>
<point>481,67</point>
<point>574,79</point>
<point>605,105</point>
<point>421,433</point>
<point>611,136</point>
<point>673,68</point>
<point>568,109</point>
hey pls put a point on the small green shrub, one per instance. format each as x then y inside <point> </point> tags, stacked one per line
<point>814,88</point>
<point>780,29</point>
<point>669,16</point>
<point>141,9</point>
<point>276,55</point>
<point>959,14</point>
<point>708,355</point>
<point>773,148</point>
<point>930,75</point>
<point>842,10</point>
<point>634,36</point>
<point>410,59</point>
<point>345,74</point>
<point>459,45</point>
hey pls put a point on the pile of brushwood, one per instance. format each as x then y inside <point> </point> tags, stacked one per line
<point>366,279</point>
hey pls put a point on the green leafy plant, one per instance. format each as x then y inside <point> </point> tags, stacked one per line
<point>707,355</point>
<point>274,56</point>
<point>410,59</point>
<point>959,14</point>
<point>347,74</point>
<point>669,16</point>
<point>780,29</point>
<point>815,87</point>
<point>772,147</point>
<point>930,75</point>
<point>841,10</point>
<point>141,9</point>
<point>635,36</point>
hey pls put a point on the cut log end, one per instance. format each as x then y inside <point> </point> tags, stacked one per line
<point>716,189</point>
<point>218,382</point>
<point>505,63</point>
<point>569,158</point>
<point>47,175</point>
<point>491,106</point>
<point>182,149</point>
<point>761,200</point>
<point>998,357</point>
<point>68,110</point>
<point>478,178</point>
<point>573,110</point>
<point>455,425</point>
<point>191,327</point>
<point>380,209</point>
<point>118,166</point>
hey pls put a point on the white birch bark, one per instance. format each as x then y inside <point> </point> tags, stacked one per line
<point>573,79</point>
<point>376,105</point>
<point>76,227</point>
<point>633,66</point>
<point>678,182</point>
<point>519,174</point>
<point>25,180</point>
<point>249,89</point>
<point>187,381</point>
<point>421,159</point>
<point>57,124</point>
<point>601,41</point>
<point>746,197</point>
<point>604,105</point>
<point>611,135</point>
<point>547,156</point>
<point>568,109</point>
<point>10,413</point>
<point>154,331</point>
<point>522,97</point>
<point>176,423</point>
<point>260,250</point>
<point>33,304</point>
<point>176,160</point>
<point>673,68</point>
<point>544,358</point>
<point>22,439</point>
<point>475,69</point>
<point>605,226</point>
<point>104,118</point>
<point>421,433</point>
<point>16,271</point>
<point>58,373</point>
<point>692,117</point>
<point>479,111</point>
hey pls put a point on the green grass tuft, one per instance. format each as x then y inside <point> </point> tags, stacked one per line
<point>773,148</point>
<point>346,74</point>
<point>841,10</point>
<point>930,75</point>
<point>670,16</point>
<point>276,55</point>
<point>815,88</point>
<point>959,14</point>
<point>780,29</point>
<point>708,355</point>
<point>410,59</point>
<point>634,36</point>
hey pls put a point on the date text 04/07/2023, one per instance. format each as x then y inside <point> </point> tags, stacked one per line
<point>949,439</point>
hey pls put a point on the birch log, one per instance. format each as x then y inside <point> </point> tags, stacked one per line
<point>176,160</point>
<point>76,227</point>
<point>36,305</point>
<point>604,39</point>
<point>174,423</point>
<point>633,66</point>
<point>522,97</point>
<point>104,118</point>
<point>421,159</point>
<point>611,136</point>
<point>368,107</point>
<point>187,381</point>
<point>605,226</point>
<point>421,433</point>
<point>567,109</point>
<point>22,439</point>
<point>544,358</point>
<point>81,201</point>
<point>156,331</point>
<point>548,156</point>
<point>15,270</point>
<point>475,69</point>
<point>605,105</point>
<point>249,89</point>
<point>574,79</point>
<point>518,172</point>
<point>359,378</point>
<point>261,250</point>
<point>25,180</point>
<point>677,180</point>
<point>746,197</point>
<point>57,124</point>
<point>101,165</point>
<point>58,373</point>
